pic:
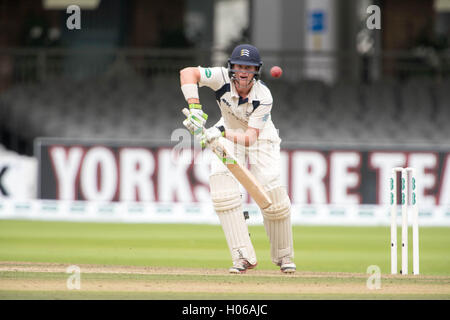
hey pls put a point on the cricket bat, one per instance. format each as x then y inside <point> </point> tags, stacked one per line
<point>241,173</point>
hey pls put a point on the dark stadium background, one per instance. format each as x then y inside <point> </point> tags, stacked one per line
<point>116,79</point>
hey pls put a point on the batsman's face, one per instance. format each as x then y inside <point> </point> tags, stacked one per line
<point>244,74</point>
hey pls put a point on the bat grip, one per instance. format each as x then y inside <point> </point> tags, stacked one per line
<point>186,113</point>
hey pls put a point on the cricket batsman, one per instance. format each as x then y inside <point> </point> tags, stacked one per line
<point>247,131</point>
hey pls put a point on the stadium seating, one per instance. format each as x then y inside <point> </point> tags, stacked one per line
<point>127,106</point>
<point>442,116</point>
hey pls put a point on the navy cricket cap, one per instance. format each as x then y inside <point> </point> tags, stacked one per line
<point>245,54</point>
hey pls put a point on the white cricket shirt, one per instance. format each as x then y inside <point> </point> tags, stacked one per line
<point>238,113</point>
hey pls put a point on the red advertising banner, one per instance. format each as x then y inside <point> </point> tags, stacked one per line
<point>111,171</point>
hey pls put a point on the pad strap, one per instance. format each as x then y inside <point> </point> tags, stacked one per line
<point>281,205</point>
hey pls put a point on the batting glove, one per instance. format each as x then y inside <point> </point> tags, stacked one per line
<point>196,120</point>
<point>211,134</point>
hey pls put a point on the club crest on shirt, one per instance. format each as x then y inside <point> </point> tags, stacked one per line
<point>208,72</point>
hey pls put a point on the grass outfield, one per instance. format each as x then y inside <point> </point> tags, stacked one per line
<point>322,251</point>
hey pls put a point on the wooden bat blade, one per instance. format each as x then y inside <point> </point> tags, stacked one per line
<point>242,174</point>
<point>249,182</point>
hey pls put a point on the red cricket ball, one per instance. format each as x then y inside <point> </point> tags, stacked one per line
<point>276,72</point>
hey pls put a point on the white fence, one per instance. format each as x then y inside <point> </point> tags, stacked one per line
<point>203,213</point>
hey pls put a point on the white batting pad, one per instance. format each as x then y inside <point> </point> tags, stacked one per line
<point>228,205</point>
<point>277,221</point>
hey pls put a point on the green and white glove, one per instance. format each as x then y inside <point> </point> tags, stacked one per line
<point>211,134</point>
<point>196,120</point>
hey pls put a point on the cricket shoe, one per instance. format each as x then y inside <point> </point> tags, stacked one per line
<point>286,265</point>
<point>241,265</point>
